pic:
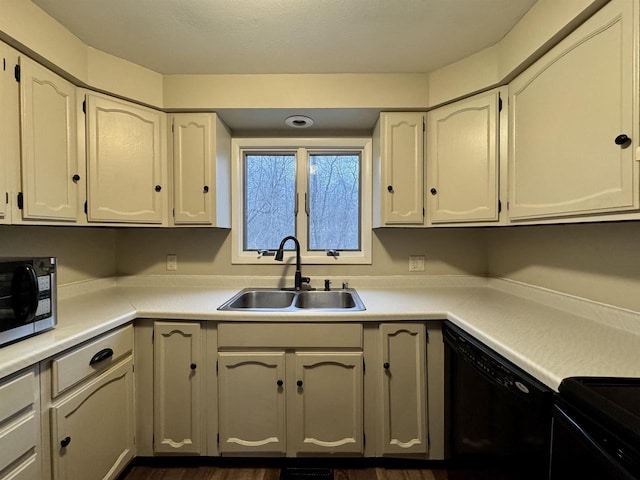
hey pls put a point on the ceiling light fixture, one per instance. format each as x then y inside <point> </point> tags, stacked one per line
<point>299,121</point>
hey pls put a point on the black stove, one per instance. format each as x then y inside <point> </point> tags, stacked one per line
<point>597,429</point>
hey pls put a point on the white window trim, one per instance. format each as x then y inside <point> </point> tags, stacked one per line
<point>239,145</point>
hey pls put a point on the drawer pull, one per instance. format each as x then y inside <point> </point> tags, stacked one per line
<point>101,355</point>
<point>64,443</point>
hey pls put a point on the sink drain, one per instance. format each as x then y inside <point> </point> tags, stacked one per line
<point>293,473</point>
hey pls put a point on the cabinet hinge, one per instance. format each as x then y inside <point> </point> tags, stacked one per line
<point>507,205</point>
<point>364,367</point>
<point>216,367</point>
<point>424,126</point>
<point>84,106</point>
<point>6,198</point>
<point>423,211</point>
<point>20,201</point>
<point>86,208</point>
<point>218,438</point>
<point>4,64</point>
<point>364,439</point>
<point>16,73</point>
<point>172,127</point>
<point>499,103</point>
<point>499,206</point>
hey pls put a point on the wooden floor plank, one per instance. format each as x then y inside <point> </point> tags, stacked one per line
<point>140,472</point>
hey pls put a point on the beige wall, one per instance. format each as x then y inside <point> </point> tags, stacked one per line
<point>83,253</point>
<point>598,261</point>
<point>208,252</point>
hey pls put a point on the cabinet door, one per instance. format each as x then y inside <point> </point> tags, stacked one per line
<point>125,162</point>
<point>566,112</point>
<point>92,431</point>
<point>9,132</point>
<point>404,400</point>
<point>326,414</point>
<point>20,454</point>
<point>462,160</point>
<point>193,168</point>
<point>251,390</point>
<point>402,158</point>
<point>49,144</point>
<point>178,416</point>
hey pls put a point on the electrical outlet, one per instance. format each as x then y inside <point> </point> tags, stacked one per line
<point>172,263</point>
<point>416,263</point>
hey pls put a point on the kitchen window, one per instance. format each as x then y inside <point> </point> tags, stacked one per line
<point>318,190</point>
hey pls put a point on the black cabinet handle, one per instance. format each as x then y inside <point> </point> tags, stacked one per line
<point>206,188</point>
<point>390,188</point>
<point>299,383</point>
<point>193,366</point>
<point>433,191</point>
<point>280,383</point>
<point>65,442</point>
<point>101,355</point>
<point>386,365</point>
<point>76,178</point>
<point>158,188</point>
<point>622,140</point>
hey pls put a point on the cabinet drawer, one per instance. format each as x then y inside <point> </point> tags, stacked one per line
<point>82,362</point>
<point>17,439</point>
<point>290,335</point>
<point>17,394</point>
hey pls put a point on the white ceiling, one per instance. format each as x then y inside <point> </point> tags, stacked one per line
<point>288,36</point>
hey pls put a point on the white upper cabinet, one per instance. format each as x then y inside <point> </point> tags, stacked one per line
<point>463,159</point>
<point>567,114</point>
<point>201,169</point>
<point>50,175</point>
<point>398,155</point>
<point>126,162</point>
<point>9,131</point>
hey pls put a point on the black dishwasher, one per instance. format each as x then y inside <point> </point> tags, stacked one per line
<point>498,418</point>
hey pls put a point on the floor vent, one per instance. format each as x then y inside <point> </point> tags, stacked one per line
<point>292,473</point>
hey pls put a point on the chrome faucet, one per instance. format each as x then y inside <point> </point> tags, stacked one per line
<point>298,279</point>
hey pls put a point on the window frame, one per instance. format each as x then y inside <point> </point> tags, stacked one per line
<point>302,148</point>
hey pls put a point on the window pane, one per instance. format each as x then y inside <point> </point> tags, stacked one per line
<point>334,206</point>
<point>269,199</point>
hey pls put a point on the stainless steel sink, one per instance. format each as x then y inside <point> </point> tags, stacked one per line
<point>261,299</point>
<point>268,299</point>
<point>320,299</point>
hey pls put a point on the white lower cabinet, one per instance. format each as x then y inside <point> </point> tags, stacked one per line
<point>327,411</point>
<point>92,430</point>
<point>20,450</point>
<point>92,422</point>
<point>290,389</point>
<point>251,400</point>
<point>297,402</point>
<point>404,400</point>
<point>178,363</point>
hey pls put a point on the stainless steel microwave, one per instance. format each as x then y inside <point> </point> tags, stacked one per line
<point>28,294</point>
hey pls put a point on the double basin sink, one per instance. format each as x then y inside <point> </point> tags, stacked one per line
<point>269,299</point>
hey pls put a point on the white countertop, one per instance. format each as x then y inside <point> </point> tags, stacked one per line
<point>549,335</point>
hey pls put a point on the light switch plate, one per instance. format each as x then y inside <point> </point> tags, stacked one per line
<point>416,263</point>
<point>172,263</point>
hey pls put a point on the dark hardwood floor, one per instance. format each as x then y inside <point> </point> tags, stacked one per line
<point>194,472</point>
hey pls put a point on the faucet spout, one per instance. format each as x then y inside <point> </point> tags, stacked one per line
<point>298,278</point>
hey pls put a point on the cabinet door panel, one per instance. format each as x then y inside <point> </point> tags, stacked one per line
<point>462,162</point>
<point>125,162</point>
<point>404,398</point>
<point>49,144</point>
<point>402,148</point>
<point>566,111</point>
<point>177,387</point>
<point>252,403</point>
<point>96,424</point>
<point>327,415</point>
<point>193,156</point>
